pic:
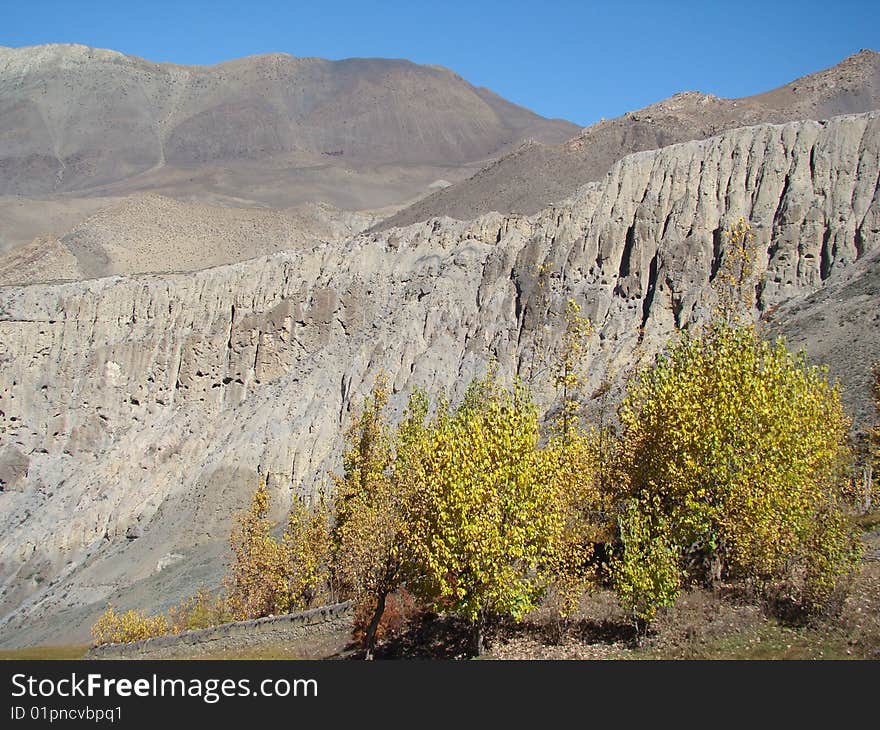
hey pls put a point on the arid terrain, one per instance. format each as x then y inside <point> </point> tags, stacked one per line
<point>85,128</point>
<point>212,302</point>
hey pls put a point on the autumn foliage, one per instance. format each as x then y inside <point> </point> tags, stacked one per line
<point>731,467</point>
<point>270,575</point>
<point>113,627</point>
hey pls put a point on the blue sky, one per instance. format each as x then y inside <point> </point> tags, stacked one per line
<point>577,60</point>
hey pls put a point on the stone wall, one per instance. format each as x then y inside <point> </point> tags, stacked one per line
<point>314,634</point>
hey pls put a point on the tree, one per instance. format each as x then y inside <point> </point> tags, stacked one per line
<point>568,366</point>
<point>732,462</point>
<point>306,550</point>
<point>270,576</point>
<point>732,449</point>
<point>479,518</point>
<point>647,571</point>
<point>871,457</point>
<point>735,281</point>
<point>579,519</point>
<point>367,459</point>
<point>373,528</point>
<point>256,582</point>
<point>200,611</point>
<point>570,459</point>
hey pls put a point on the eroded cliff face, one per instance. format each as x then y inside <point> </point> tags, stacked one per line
<point>135,413</point>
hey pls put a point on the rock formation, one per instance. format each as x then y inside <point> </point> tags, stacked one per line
<point>135,412</point>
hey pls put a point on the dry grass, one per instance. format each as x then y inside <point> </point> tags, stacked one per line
<point>71,651</point>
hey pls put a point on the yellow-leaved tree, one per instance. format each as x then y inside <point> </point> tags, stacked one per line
<point>373,495</point>
<point>570,460</point>
<point>736,280</point>
<point>306,554</point>
<point>256,582</point>
<point>481,518</point>
<point>733,451</point>
<point>871,468</point>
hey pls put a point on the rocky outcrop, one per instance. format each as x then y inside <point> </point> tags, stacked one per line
<point>154,401</point>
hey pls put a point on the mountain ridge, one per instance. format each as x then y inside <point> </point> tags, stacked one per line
<point>536,175</point>
<point>76,117</point>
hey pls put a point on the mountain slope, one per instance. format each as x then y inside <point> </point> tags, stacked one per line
<point>152,233</point>
<point>74,118</point>
<point>136,412</point>
<point>537,175</point>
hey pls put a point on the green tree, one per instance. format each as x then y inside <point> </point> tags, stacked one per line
<point>647,571</point>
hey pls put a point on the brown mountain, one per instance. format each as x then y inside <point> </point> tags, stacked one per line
<point>74,118</point>
<point>538,174</point>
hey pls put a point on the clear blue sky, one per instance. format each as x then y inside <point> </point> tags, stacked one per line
<point>577,60</point>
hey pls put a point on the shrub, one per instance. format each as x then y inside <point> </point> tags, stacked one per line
<point>201,611</point>
<point>117,628</point>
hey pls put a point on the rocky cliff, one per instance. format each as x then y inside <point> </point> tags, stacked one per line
<point>136,412</point>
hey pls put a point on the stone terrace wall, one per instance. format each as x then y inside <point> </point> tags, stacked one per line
<point>318,632</point>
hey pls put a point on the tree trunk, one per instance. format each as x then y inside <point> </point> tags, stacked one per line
<point>641,627</point>
<point>479,635</point>
<point>716,567</point>
<point>370,638</point>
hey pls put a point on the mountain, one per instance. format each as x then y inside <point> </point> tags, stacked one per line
<point>536,174</point>
<point>137,411</point>
<point>270,128</point>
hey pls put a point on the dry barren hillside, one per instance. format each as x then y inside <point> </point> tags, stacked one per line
<point>75,118</point>
<point>151,233</point>
<point>537,174</point>
<point>84,129</point>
